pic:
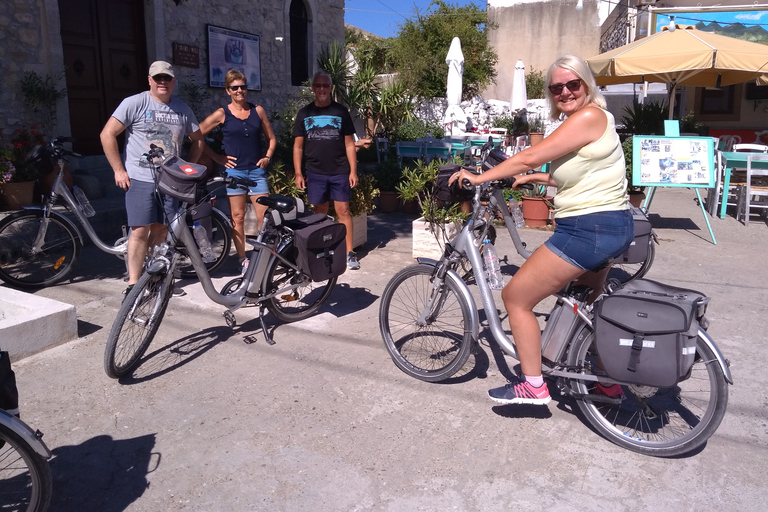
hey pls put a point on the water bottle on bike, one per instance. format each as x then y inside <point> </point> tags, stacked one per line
<point>201,236</point>
<point>492,266</point>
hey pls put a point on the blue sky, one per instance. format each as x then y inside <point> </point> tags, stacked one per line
<point>383,17</point>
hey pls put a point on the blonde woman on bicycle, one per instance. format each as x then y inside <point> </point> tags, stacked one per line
<point>594,224</point>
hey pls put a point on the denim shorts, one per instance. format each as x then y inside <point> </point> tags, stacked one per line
<point>143,206</point>
<point>322,187</point>
<point>258,175</point>
<point>590,241</point>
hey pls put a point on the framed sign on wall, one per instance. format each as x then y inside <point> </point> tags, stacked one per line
<point>673,161</point>
<point>231,49</point>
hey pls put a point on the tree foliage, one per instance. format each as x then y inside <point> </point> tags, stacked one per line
<point>419,50</point>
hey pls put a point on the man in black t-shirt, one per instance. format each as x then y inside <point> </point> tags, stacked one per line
<point>324,147</point>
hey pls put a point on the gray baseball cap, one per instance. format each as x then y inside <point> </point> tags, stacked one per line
<point>160,67</point>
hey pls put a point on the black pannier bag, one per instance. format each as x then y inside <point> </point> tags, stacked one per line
<point>9,393</point>
<point>450,193</point>
<point>495,157</point>
<point>638,250</point>
<point>321,246</point>
<point>646,332</point>
<point>181,180</point>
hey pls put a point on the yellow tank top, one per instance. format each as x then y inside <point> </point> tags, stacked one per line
<point>592,179</point>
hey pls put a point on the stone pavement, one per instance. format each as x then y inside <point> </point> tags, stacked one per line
<point>324,421</point>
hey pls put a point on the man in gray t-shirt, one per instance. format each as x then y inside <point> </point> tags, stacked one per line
<point>150,117</point>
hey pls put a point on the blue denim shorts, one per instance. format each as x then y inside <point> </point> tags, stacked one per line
<point>258,175</point>
<point>322,187</point>
<point>590,241</point>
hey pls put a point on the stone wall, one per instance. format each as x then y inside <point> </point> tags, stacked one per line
<point>30,41</point>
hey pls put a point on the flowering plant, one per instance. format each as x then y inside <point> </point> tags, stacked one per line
<point>13,168</point>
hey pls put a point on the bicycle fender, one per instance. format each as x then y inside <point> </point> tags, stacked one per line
<point>26,433</point>
<point>63,218</point>
<point>466,294</point>
<point>718,355</point>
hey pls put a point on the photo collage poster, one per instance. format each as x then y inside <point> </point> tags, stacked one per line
<point>230,49</point>
<point>674,162</point>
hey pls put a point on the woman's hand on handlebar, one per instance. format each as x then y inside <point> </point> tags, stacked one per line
<point>463,176</point>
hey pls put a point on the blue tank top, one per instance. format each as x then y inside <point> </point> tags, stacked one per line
<point>242,138</point>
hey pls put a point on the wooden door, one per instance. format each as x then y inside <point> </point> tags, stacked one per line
<point>106,60</point>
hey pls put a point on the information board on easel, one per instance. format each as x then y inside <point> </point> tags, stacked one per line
<point>669,161</point>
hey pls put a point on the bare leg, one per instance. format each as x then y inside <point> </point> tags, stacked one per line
<point>260,209</point>
<point>543,274</point>
<point>342,210</point>
<point>138,243</point>
<point>237,210</point>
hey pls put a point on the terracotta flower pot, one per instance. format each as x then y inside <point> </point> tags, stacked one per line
<point>536,138</point>
<point>535,211</point>
<point>16,195</point>
<point>388,201</point>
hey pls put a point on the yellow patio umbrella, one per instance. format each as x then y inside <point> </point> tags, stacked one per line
<point>685,56</point>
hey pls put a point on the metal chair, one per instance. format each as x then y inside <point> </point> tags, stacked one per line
<point>413,150</point>
<point>382,148</point>
<point>437,149</point>
<point>738,179</point>
<point>754,192</point>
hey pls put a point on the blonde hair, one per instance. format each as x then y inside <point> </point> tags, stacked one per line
<point>579,68</point>
<point>233,75</point>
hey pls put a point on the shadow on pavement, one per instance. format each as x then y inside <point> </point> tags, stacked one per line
<point>102,473</point>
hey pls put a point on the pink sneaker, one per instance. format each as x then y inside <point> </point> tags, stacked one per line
<point>520,392</point>
<point>611,391</point>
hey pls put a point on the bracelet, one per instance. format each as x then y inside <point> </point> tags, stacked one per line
<point>268,157</point>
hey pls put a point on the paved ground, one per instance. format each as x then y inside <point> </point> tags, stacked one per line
<point>323,420</point>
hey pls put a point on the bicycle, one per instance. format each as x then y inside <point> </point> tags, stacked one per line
<point>25,476</point>
<point>40,246</point>
<point>274,279</point>
<point>430,326</point>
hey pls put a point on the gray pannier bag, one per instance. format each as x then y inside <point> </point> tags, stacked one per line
<point>646,332</point>
<point>321,244</point>
<point>638,250</point>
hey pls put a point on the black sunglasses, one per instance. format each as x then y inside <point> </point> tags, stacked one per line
<point>571,85</point>
<point>162,78</point>
<point>238,87</point>
<point>321,86</point>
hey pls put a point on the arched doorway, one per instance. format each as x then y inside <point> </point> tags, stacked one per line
<point>299,23</point>
<point>106,60</point>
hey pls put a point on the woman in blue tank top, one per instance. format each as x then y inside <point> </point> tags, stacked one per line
<point>241,123</point>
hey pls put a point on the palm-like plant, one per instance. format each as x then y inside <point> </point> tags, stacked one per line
<point>333,60</point>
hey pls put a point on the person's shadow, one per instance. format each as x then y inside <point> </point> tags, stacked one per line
<point>102,473</point>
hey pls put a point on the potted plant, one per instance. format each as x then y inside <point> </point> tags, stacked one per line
<point>536,206</point>
<point>388,175</point>
<point>535,129</point>
<point>439,222</point>
<point>17,178</point>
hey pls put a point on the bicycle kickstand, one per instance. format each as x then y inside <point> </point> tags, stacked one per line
<point>264,329</point>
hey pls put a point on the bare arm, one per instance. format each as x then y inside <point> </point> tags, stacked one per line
<point>266,127</point>
<point>211,122</point>
<point>298,153</point>
<point>349,145</point>
<point>197,146</point>
<point>108,136</point>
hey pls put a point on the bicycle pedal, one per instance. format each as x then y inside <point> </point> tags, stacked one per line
<point>250,339</point>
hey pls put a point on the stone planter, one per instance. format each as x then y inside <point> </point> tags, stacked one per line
<point>16,195</point>
<point>535,211</point>
<point>425,243</point>
<point>359,230</point>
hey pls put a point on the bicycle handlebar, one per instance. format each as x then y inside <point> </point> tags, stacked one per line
<point>234,182</point>
<point>503,183</point>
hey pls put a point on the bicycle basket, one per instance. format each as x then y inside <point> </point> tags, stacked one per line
<point>41,160</point>
<point>453,193</point>
<point>180,179</point>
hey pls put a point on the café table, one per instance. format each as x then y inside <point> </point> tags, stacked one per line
<point>733,160</point>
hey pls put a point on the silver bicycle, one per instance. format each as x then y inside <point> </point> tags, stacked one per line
<point>273,281</point>
<point>39,246</point>
<point>430,326</point>
<point>25,476</point>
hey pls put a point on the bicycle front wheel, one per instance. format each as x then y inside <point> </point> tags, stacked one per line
<point>20,267</point>
<point>430,345</point>
<point>136,323</point>
<point>25,476</point>
<point>662,422</point>
<point>626,272</point>
<point>304,296</point>
<point>221,242</point>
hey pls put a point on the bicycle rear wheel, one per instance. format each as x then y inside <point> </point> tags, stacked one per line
<point>436,348</point>
<point>221,242</point>
<point>22,269</point>
<point>136,323</point>
<point>626,272</point>
<point>662,422</point>
<point>300,302</point>
<point>25,476</point>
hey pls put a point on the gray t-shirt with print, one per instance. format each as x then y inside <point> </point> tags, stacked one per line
<point>148,121</point>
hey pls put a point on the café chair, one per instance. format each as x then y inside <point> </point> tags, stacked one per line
<point>413,150</point>
<point>437,149</point>
<point>754,192</point>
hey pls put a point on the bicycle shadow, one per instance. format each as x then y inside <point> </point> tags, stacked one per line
<point>102,473</point>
